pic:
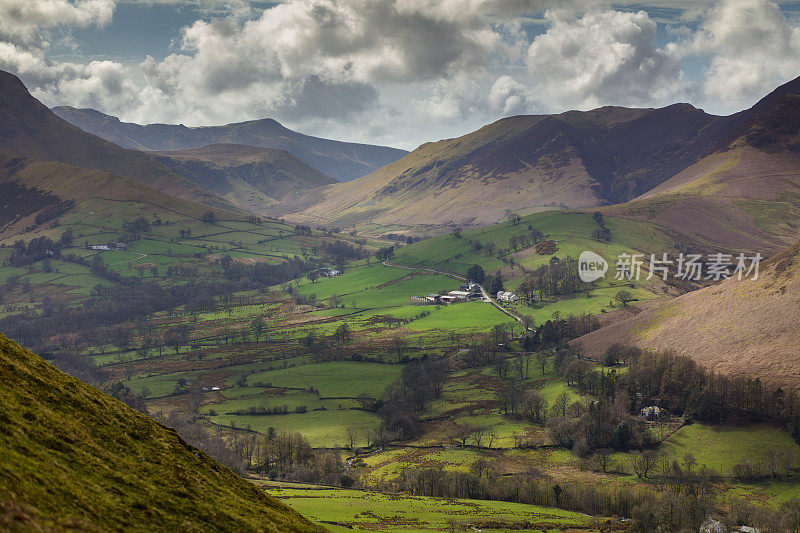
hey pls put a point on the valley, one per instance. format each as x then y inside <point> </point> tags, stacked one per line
<point>412,350</point>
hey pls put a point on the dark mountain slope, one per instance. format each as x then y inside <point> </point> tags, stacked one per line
<point>30,129</point>
<point>574,160</point>
<point>745,194</point>
<point>253,178</point>
<point>73,458</point>
<point>340,160</point>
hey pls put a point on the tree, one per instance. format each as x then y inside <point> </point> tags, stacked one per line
<point>399,344</point>
<point>209,217</point>
<point>312,276</point>
<point>560,405</point>
<point>644,463</point>
<point>476,274</point>
<point>257,326</point>
<point>465,432</point>
<point>342,333</point>
<point>514,218</point>
<point>623,297</point>
<point>352,438</point>
<point>456,233</point>
<point>541,360</point>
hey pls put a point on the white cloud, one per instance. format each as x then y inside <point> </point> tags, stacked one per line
<point>404,71</point>
<point>603,57</point>
<point>509,97</point>
<point>752,48</point>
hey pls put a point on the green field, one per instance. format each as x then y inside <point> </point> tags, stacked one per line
<point>345,510</point>
<point>334,380</point>
<point>721,447</point>
<point>323,429</point>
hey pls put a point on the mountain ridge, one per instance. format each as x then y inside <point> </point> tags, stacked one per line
<point>29,129</point>
<point>338,159</point>
<point>256,179</point>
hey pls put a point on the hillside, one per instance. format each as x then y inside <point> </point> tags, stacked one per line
<point>30,129</point>
<point>29,186</point>
<point>743,196</point>
<point>525,163</point>
<point>743,328</point>
<point>256,179</point>
<point>340,160</point>
<point>73,458</point>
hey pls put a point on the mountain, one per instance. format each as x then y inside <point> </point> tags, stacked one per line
<point>73,458</point>
<point>524,163</point>
<point>745,194</point>
<point>741,328</point>
<point>340,160</point>
<point>718,179</point>
<point>31,130</point>
<point>256,179</point>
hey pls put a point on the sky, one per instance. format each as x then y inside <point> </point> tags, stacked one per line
<point>394,72</point>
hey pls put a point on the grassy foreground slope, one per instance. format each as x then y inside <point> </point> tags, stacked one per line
<point>73,458</point>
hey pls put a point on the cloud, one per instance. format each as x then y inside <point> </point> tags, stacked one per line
<point>752,49</point>
<point>603,57</point>
<point>325,59</point>
<point>402,71</point>
<point>509,97</point>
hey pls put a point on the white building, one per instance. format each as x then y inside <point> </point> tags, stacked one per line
<point>506,296</point>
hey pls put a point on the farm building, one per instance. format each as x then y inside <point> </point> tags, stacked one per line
<point>120,246</point>
<point>425,300</point>
<point>103,247</point>
<point>473,288</point>
<point>506,296</point>
<point>330,272</point>
<point>652,412</point>
<point>454,296</point>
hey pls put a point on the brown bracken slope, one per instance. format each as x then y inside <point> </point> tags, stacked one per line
<point>741,328</point>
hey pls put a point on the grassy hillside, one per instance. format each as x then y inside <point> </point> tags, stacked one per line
<point>253,178</point>
<point>31,130</point>
<point>89,189</point>
<point>72,458</point>
<point>745,328</point>
<point>340,160</point>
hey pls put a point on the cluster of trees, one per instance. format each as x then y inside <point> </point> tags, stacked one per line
<point>139,225</point>
<point>558,278</point>
<point>399,237</point>
<point>679,385</point>
<point>302,230</point>
<point>419,383</point>
<point>53,210</point>
<point>23,254</point>
<point>342,251</point>
<point>602,233</point>
<point>384,253</point>
<point>671,509</point>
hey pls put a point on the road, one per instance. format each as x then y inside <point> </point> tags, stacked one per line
<point>485,294</point>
